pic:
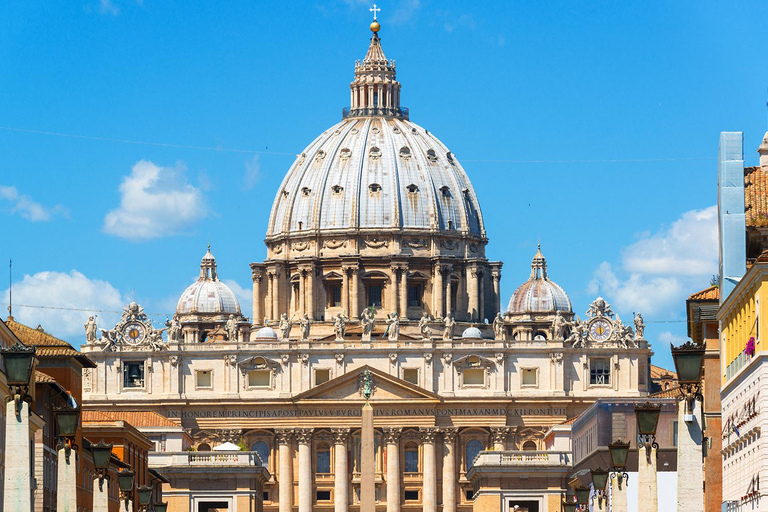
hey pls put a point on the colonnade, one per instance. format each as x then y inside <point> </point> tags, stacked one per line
<point>272,288</point>
<point>429,437</point>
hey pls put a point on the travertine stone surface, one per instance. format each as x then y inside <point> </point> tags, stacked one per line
<point>647,488</point>
<point>690,471</point>
<point>66,492</point>
<point>17,496</point>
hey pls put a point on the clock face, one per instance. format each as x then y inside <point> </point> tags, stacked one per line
<point>133,333</point>
<point>600,330</point>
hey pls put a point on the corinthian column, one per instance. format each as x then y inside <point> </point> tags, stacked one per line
<point>340,470</point>
<point>474,305</point>
<point>285,475</point>
<point>496,274</point>
<point>437,291</point>
<point>355,297</point>
<point>429,499</point>
<point>449,469</point>
<point>392,440</point>
<point>345,290</point>
<point>311,292</point>
<point>304,438</point>
<point>302,293</point>
<point>499,436</point>
<point>256,275</point>
<point>403,313</point>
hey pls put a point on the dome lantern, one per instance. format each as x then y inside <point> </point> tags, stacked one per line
<point>208,295</point>
<point>539,294</point>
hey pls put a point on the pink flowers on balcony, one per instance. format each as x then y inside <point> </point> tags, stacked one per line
<point>750,348</point>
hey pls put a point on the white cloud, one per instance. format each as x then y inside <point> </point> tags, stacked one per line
<point>252,172</point>
<point>660,270</point>
<point>244,296</point>
<point>667,337</point>
<point>107,7</point>
<point>58,291</point>
<point>156,201</point>
<point>28,208</point>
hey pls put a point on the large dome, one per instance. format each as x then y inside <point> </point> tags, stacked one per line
<point>208,295</point>
<point>539,294</point>
<point>375,170</point>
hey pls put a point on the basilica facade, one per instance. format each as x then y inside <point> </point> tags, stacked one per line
<point>375,263</point>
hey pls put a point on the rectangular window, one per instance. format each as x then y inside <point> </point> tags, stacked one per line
<point>324,461</point>
<point>336,295</point>
<point>374,295</point>
<point>411,460</point>
<point>265,495</point>
<point>469,494</point>
<point>411,495</point>
<point>204,379</point>
<point>600,371</point>
<point>674,433</point>
<point>322,375</point>
<point>323,495</point>
<point>414,296</point>
<point>411,375</point>
<point>530,377</point>
<point>133,374</point>
<point>259,378</point>
<point>474,377</point>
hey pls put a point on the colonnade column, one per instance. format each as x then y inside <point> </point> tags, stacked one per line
<point>311,292</point>
<point>448,292</point>
<point>270,295</point>
<point>355,289</point>
<point>449,469</point>
<point>474,306</point>
<point>275,294</point>
<point>345,290</point>
<point>394,290</point>
<point>256,275</point>
<point>302,293</point>
<point>340,470</point>
<point>437,291</point>
<point>392,440</point>
<point>429,499</point>
<point>481,296</point>
<point>403,313</point>
<point>304,439</point>
<point>285,475</point>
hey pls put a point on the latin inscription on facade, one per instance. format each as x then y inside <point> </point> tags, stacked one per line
<point>294,413</point>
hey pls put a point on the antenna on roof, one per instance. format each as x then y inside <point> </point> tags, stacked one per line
<point>10,288</point>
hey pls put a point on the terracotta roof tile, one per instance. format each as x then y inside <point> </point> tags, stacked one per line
<point>657,372</point>
<point>135,418</point>
<point>41,377</point>
<point>711,293</point>
<point>756,196</point>
<point>668,393</point>
<point>47,344</point>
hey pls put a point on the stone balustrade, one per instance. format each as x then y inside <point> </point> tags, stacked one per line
<point>166,459</point>
<point>522,458</point>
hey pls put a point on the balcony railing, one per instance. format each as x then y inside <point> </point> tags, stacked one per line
<point>160,459</point>
<point>400,113</point>
<point>522,458</point>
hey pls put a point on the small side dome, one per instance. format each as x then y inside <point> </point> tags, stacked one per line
<point>472,333</point>
<point>266,333</point>
<point>208,295</point>
<point>539,294</point>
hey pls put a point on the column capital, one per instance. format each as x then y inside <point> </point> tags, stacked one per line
<point>340,435</point>
<point>392,434</point>
<point>429,434</point>
<point>284,435</point>
<point>499,434</point>
<point>449,434</point>
<point>304,435</point>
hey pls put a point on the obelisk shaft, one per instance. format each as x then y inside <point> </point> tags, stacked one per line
<point>367,482</point>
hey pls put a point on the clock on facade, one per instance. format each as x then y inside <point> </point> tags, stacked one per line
<point>600,330</point>
<point>133,333</point>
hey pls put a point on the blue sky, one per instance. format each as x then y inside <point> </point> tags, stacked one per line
<point>590,126</point>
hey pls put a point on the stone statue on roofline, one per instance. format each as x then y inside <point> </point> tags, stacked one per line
<point>174,329</point>
<point>558,327</point>
<point>304,325</point>
<point>393,326</point>
<point>340,325</point>
<point>639,327</point>
<point>426,331</point>
<point>450,324</point>
<point>231,328</point>
<point>498,327</point>
<point>285,326</point>
<point>90,331</point>
<point>367,321</point>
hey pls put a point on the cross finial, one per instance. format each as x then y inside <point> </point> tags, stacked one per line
<point>375,10</point>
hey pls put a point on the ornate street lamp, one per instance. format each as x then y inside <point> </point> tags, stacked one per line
<point>647,416</point>
<point>569,506</point>
<point>144,493</point>
<point>619,452</point>
<point>161,506</point>
<point>125,483</point>
<point>102,453</point>
<point>66,425</point>
<point>599,481</point>
<point>582,496</point>
<point>689,359</point>
<point>18,361</point>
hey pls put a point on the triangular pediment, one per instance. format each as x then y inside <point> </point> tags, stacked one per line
<point>387,389</point>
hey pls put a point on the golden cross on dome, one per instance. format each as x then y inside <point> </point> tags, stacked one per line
<point>374,10</point>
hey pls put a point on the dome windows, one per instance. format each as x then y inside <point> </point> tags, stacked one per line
<point>337,189</point>
<point>345,154</point>
<point>374,188</point>
<point>431,156</point>
<point>395,130</point>
<point>374,153</point>
<point>375,130</point>
<point>412,188</point>
<point>306,191</point>
<point>405,152</point>
<point>445,191</point>
<point>320,155</point>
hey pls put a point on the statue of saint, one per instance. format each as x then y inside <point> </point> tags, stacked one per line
<point>90,331</point>
<point>426,331</point>
<point>285,326</point>
<point>639,327</point>
<point>450,323</point>
<point>231,328</point>
<point>367,321</point>
<point>393,327</point>
<point>340,325</point>
<point>498,327</point>
<point>304,324</point>
<point>558,326</point>
<point>174,329</point>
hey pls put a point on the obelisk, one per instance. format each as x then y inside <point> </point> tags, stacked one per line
<point>367,447</point>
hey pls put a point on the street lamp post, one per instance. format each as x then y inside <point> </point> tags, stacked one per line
<point>599,481</point>
<point>144,493</point>
<point>161,506</point>
<point>647,417</point>
<point>619,453</point>
<point>569,506</point>
<point>125,483</point>
<point>689,359</point>
<point>66,425</point>
<point>18,362</point>
<point>102,453</point>
<point>582,497</point>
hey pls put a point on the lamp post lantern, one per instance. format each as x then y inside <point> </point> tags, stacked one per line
<point>161,506</point>
<point>647,416</point>
<point>144,494</point>
<point>582,497</point>
<point>599,481</point>
<point>102,454</point>
<point>569,506</point>
<point>689,363</point>
<point>125,483</point>
<point>619,452</point>
<point>18,361</point>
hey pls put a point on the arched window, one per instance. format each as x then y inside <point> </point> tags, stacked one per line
<point>262,449</point>
<point>204,447</point>
<point>529,446</point>
<point>473,448</point>
<point>323,458</point>
<point>411,458</point>
<point>540,336</point>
